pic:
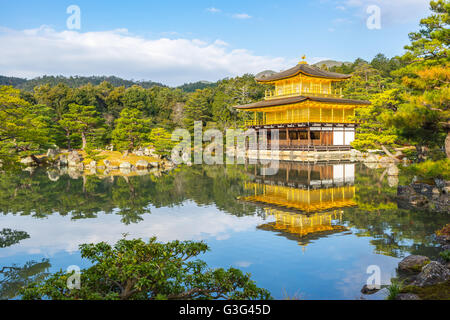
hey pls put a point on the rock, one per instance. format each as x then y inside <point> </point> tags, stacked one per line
<point>413,263</point>
<point>371,159</point>
<point>435,191</point>
<point>52,153</point>
<point>369,289</point>
<point>433,273</point>
<point>393,171</point>
<point>28,161</point>
<point>106,163</point>
<point>151,153</point>
<point>154,164</point>
<point>125,154</point>
<point>73,159</point>
<point>446,190</point>
<point>142,164</point>
<point>407,296</point>
<point>139,153</point>
<point>101,168</point>
<point>93,165</point>
<point>63,161</point>
<point>441,184</point>
<point>125,165</point>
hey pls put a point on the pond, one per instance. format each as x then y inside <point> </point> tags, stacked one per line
<point>309,232</point>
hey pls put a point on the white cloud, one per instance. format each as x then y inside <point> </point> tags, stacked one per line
<point>35,52</point>
<point>213,10</point>
<point>241,16</point>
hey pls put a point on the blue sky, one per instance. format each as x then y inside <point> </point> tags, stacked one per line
<point>178,41</point>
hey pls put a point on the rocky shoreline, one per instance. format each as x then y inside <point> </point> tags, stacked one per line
<point>423,278</point>
<point>431,196</point>
<point>105,163</point>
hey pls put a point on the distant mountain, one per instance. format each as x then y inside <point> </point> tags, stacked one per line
<point>77,81</point>
<point>264,73</point>
<point>11,81</point>
<point>73,82</point>
<point>331,63</point>
<point>193,86</point>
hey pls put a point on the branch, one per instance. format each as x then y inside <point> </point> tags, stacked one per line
<point>389,154</point>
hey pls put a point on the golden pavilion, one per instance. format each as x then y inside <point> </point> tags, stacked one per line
<point>307,108</point>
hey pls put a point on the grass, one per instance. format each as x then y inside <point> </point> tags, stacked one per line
<point>115,158</point>
<point>394,289</point>
<point>439,291</point>
<point>445,255</point>
<point>431,169</point>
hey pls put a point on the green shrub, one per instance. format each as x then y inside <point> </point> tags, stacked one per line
<point>445,255</point>
<point>431,169</point>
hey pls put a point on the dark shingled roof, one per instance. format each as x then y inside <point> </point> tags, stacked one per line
<point>291,100</point>
<point>305,69</point>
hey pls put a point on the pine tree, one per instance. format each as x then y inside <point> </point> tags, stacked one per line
<point>131,130</point>
<point>82,120</point>
<point>24,128</point>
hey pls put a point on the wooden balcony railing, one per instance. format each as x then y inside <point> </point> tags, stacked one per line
<point>311,119</point>
<point>272,94</point>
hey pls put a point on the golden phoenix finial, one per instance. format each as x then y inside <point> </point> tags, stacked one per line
<point>303,60</point>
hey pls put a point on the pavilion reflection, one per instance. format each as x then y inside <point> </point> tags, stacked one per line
<point>306,200</point>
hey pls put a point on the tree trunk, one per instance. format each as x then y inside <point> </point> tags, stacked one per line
<point>447,144</point>
<point>389,154</point>
<point>69,147</point>
<point>83,138</point>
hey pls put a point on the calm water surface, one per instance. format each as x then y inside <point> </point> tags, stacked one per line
<point>309,232</point>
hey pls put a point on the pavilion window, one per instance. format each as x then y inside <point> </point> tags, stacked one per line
<point>303,135</point>
<point>282,135</point>
<point>315,135</point>
<point>293,135</point>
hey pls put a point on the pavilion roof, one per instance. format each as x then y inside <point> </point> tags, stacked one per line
<point>304,69</point>
<point>299,99</point>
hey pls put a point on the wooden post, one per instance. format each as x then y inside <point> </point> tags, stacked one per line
<point>309,137</point>
<point>287,137</point>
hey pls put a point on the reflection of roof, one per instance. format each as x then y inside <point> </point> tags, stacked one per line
<point>299,99</point>
<point>304,69</point>
<point>302,232</point>
<point>300,226</point>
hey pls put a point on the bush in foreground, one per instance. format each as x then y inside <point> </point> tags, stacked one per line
<point>136,270</point>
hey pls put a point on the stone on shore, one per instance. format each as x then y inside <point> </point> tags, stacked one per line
<point>28,161</point>
<point>142,164</point>
<point>52,153</point>
<point>125,165</point>
<point>154,164</point>
<point>74,159</point>
<point>433,273</point>
<point>413,263</point>
<point>369,289</point>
